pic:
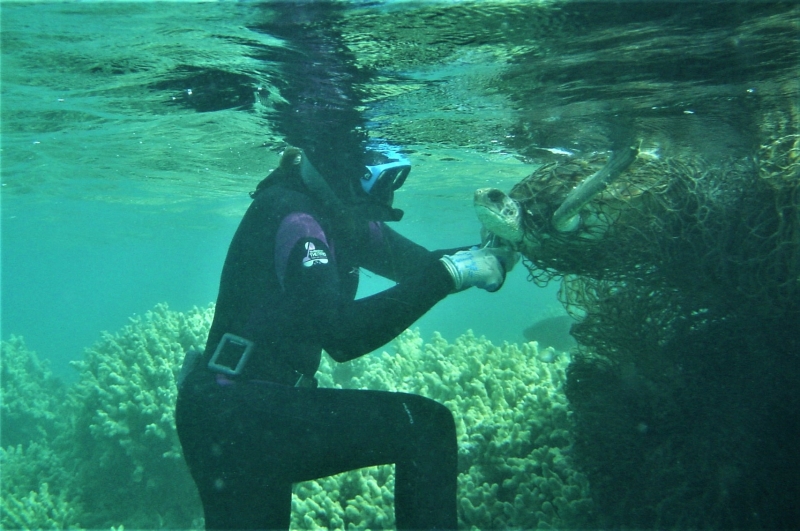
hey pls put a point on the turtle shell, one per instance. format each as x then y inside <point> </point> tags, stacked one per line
<point>543,191</point>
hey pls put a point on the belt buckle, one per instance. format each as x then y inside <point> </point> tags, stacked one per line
<point>231,355</point>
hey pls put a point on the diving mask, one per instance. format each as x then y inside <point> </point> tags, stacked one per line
<point>384,179</point>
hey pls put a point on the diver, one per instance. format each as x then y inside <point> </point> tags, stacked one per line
<point>249,414</point>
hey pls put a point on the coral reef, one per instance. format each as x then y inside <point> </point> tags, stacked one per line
<point>513,425</point>
<point>127,395</point>
<point>33,455</point>
<point>38,510</point>
<point>117,459</point>
<point>32,398</point>
<point>28,501</point>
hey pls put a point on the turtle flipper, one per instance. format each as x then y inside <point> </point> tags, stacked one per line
<point>565,217</point>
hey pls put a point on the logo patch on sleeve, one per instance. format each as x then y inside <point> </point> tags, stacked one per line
<point>314,256</point>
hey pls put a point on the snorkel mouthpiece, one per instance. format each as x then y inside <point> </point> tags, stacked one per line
<point>375,206</point>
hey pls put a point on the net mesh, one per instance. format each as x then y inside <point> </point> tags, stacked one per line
<point>685,276</point>
<point>725,231</point>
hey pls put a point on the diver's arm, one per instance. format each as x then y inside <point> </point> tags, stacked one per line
<point>348,328</point>
<point>358,327</point>
<point>393,256</point>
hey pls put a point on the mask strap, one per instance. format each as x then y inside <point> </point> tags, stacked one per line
<point>320,188</point>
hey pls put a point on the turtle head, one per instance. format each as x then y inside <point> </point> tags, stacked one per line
<point>499,214</point>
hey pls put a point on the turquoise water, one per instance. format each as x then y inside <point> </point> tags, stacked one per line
<point>132,133</point>
<point>118,194</point>
<point>115,199</point>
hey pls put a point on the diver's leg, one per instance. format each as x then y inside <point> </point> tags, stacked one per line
<point>243,501</point>
<point>237,491</point>
<point>425,480</point>
<point>339,430</point>
<point>243,437</point>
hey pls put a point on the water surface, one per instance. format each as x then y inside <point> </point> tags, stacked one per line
<point>132,132</point>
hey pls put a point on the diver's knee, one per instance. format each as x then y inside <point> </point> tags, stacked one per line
<point>445,419</point>
<point>436,417</point>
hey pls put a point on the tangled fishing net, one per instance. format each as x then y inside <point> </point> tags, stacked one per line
<point>727,231</point>
<point>685,275</point>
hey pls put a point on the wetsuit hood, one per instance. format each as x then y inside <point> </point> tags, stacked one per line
<point>342,202</point>
<point>347,197</point>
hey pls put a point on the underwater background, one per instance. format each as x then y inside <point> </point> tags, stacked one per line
<point>133,132</point>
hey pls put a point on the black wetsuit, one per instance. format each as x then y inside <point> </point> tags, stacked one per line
<point>289,284</point>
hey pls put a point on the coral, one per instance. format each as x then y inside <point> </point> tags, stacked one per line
<point>37,490</point>
<point>127,394</point>
<point>38,510</point>
<point>118,461</point>
<point>359,499</point>
<point>513,425</point>
<point>28,499</point>
<point>32,398</point>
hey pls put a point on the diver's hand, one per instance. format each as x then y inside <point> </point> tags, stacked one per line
<point>477,267</point>
<point>506,254</point>
<point>502,249</point>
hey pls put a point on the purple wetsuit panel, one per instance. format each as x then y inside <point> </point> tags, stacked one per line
<point>294,227</point>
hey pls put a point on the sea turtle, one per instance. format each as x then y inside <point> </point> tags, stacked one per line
<point>553,200</point>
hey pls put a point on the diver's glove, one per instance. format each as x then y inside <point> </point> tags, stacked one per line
<point>477,267</point>
<point>502,249</point>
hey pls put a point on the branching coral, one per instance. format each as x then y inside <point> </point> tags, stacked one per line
<point>32,398</point>
<point>513,426</point>
<point>28,500</point>
<point>359,499</point>
<point>127,396</point>
<point>119,462</point>
<point>38,510</point>
<point>36,490</point>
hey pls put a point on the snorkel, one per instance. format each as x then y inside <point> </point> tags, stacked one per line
<point>368,194</point>
<point>371,199</point>
<point>318,186</point>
